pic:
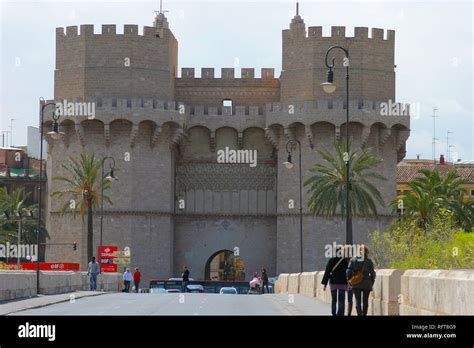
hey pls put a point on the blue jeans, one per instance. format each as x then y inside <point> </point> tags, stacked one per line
<point>137,284</point>
<point>338,297</point>
<point>362,301</point>
<point>93,281</point>
<point>127,285</point>
<point>350,296</point>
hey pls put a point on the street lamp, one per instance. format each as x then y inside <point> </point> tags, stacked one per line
<point>330,87</point>
<point>290,146</point>
<point>110,177</point>
<point>55,135</point>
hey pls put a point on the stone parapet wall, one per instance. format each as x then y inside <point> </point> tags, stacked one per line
<point>398,292</point>
<point>22,284</point>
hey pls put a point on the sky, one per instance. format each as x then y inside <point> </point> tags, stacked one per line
<point>433,51</point>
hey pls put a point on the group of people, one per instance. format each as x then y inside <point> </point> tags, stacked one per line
<point>260,280</point>
<point>355,275</point>
<point>128,277</point>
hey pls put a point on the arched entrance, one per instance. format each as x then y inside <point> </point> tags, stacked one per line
<point>224,265</point>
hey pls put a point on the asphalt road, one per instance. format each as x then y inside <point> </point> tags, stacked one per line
<point>185,304</point>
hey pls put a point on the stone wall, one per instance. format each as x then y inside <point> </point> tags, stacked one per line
<point>21,284</point>
<point>197,238</point>
<point>437,292</point>
<point>398,292</point>
<point>89,64</point>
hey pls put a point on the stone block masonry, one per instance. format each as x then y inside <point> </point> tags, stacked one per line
<point>164,131</point>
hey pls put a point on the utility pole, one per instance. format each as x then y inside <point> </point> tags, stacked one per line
<point>434,134</point>
<point>447,145</point>
<point>11,131</point>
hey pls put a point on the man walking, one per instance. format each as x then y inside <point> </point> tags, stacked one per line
<point>185,276</point>
<point>92,272</point>
<point>136,279</point>
<point>127,279</point>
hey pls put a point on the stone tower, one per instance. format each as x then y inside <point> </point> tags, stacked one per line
<point>164,132</point>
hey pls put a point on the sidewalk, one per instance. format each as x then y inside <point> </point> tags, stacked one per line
<point>298,304</point>
<point>13,306</point>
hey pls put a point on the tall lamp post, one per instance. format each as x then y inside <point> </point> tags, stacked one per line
<point>329,87</point>
<point>110,177</point>
<point>290,146</point>
<point>55,135</point>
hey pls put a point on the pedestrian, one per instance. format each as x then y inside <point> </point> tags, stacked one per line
<point>92,272</point>
<point>136,278</point>
<point>335,274</point>
<point>361,277</point>
<point>127,279</point>
<point>350,293</point>
<point>185,276</point>
<point>265,281</point>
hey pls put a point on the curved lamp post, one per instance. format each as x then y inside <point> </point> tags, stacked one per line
<point>290,146</point>
<point>330,87</point>
<point>55,135</point>
<point>110,177</point>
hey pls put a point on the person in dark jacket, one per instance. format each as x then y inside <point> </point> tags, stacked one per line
<point>264,281</point>
<point>335,274</point>
<point>362,263</point>
<point>185,276</point>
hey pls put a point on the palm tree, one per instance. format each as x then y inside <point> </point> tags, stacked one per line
<point>430,192</point>
<point>13,208</point>
<point>83,190</point>
<point>327,184</point>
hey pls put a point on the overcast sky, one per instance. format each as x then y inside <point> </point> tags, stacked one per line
<point>433,54</point>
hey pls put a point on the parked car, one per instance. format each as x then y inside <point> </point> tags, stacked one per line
<point>172,291</point>
<point>157,291</point>
<point>229,290</point>
<point>195,288</point>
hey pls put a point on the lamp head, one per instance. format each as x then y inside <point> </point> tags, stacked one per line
<point>55,133</point>
<point>288,164</point>
<point>329,86</point>
<point>111,177</point>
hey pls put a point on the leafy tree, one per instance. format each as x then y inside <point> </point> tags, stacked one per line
<point>327,183</point>
<point>431,192</point>
<point>83,187</point>
<point>13,208</point>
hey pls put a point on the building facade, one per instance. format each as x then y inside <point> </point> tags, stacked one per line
<point>175,204</point>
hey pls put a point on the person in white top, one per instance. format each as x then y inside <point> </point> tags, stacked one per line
<point>127,280</point>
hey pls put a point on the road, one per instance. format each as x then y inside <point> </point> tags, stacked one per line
<point>185,304</point>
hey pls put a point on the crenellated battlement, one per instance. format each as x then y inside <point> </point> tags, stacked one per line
<point>227,73</point>
<point>360,33</point>
<point>108,30</point>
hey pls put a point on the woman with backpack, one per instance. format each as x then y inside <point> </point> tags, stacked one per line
<point>361,277</point>
<point>335,274</point>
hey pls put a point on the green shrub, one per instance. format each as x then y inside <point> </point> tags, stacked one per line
<point>438,245</point>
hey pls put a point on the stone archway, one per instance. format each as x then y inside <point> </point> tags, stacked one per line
<point>224,265</point>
